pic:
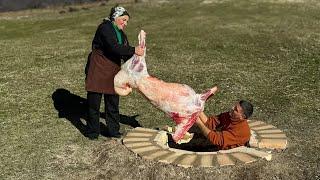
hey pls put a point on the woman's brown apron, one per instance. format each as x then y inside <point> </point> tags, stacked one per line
<point>101,72</point>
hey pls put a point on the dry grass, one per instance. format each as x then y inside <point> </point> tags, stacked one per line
<point>263,51</point>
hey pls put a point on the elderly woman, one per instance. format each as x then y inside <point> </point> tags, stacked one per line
<point>109,46</point>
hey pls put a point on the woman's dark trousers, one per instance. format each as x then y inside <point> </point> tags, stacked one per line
<point>111,102</point>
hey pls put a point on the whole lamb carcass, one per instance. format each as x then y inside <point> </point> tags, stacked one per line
<point>178,101</point>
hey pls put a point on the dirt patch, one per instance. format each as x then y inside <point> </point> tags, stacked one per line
<point>110,159</point>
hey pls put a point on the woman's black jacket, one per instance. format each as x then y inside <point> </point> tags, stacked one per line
<point>105,39</point>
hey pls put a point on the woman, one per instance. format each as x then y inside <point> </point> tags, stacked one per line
<point>109,46</point>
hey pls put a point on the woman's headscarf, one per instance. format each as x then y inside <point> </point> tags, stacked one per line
<point>117,11</point>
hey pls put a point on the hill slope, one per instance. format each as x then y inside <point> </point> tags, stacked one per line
<point>266,52</point>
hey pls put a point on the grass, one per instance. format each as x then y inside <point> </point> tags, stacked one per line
<point>266,52</point>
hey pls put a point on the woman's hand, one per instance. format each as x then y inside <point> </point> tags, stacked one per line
<point>138,51</point>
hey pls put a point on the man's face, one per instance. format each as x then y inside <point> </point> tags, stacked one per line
<point>237,112</point>
<point>122,21</point>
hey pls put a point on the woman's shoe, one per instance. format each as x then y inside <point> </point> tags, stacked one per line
<point>92,136</point>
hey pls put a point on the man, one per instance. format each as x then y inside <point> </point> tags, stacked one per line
<point>229,129</point>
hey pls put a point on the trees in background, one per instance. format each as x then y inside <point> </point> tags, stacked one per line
<point>13,5</point>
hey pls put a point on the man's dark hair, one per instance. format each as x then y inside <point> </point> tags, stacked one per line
<point>247,108</point>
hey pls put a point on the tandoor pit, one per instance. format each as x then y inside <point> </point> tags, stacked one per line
<point>158,145</point>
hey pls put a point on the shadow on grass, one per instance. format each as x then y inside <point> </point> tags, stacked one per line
<point>74,108</point>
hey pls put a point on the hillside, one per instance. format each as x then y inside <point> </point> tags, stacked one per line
<point>264,51</point>
<point>14,5</point>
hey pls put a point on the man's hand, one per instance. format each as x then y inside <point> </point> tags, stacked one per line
<point>205,131</point>
<point>198,122</point>
<point>203,117</point>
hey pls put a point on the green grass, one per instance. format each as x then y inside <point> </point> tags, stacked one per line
<point>265,52</point>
